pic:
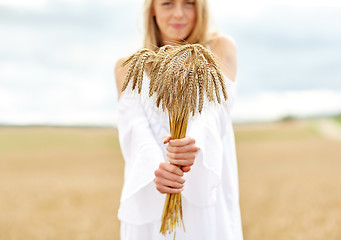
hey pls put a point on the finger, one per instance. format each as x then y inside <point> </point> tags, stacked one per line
<point>170,168</point>
<point>168,183</point>
<point>183,149</point>
<point>170,177</point>
<point>166,138</point>
<point>163,189</point>
<point>181,142</point>
<point>182,163</point>
<point>181,156</point>
<point>186,169</point>
<point>165,174</point>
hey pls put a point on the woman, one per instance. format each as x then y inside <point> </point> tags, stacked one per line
<point>208,177</point>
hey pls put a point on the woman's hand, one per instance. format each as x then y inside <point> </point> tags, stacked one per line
<point>169,178</point>
<point>180,152</point>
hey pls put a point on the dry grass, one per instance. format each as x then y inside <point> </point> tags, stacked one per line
<point>59,183</point>
<point>289,182</point>
<point>65,183</point>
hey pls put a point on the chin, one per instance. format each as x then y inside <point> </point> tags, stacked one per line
<point>177,37</point>
<point>181,37</point>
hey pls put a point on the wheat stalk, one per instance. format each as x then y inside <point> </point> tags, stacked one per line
<point>180,78</point>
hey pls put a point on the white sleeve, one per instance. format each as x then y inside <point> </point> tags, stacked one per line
<point>210,129</point>
<point>205,175</point>
<point>140,201</point>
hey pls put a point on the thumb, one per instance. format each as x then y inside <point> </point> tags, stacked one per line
<point>166,139</point>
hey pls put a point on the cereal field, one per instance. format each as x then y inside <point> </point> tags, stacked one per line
<point>64,183</point>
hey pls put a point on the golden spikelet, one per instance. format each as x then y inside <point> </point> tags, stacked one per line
<point>180,78</point>
<point>191,90</point>
<point>222,83</point>
<point>209,90</point>
<point>141,67</point>
<point>137,63</point>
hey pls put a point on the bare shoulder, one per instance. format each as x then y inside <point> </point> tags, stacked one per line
<point>225,50</point>
<point>222,41</point>
<point>120,73</point>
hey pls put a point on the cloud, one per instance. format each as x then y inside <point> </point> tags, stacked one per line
<point>309,3</point>
<point>57,58</point>
<point>273,106</point>
<point>28,5</point>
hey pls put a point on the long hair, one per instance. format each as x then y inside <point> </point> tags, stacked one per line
<point>199,34</point>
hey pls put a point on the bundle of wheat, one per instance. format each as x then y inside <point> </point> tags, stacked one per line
<point>180,77</point>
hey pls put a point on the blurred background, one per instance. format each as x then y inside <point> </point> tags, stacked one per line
<point>60,161</point>
<point>57,58</point>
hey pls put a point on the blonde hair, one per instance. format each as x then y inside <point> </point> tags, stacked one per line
<point>199,34</point>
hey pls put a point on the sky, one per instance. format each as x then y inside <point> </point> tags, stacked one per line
<point>57,58</point>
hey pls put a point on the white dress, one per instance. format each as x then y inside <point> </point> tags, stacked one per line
<point>211,193</point>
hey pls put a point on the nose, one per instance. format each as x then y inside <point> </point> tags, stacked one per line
<point>178,11</point>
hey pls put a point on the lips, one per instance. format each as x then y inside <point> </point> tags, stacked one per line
<point>178,25</point>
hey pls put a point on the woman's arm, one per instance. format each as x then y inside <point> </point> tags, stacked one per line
<point>120,73</point>
<point>168,177</point>
<point>180,152</point>
<point>140,201</point>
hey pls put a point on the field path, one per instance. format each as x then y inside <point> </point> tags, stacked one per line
<point>329,128</point>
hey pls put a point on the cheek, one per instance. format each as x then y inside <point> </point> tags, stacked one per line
<point>193,19</point>
<point>158,15</point>
<point>159,21</point>
<point>192,15</point>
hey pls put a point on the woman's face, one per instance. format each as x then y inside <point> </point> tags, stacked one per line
<point>175,19</point>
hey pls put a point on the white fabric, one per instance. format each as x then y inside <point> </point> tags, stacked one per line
<point>210,197</point>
